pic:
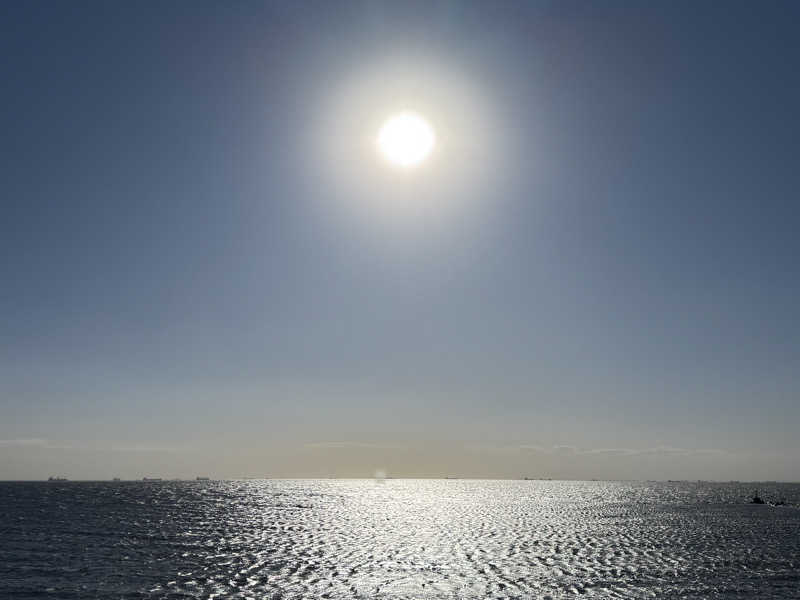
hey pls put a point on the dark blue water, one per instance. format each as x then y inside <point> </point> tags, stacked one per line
<point>397,539</point>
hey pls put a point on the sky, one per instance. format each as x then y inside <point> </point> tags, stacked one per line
<point>206,268</point>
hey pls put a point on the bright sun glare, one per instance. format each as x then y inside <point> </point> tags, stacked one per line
<point>406,139</point>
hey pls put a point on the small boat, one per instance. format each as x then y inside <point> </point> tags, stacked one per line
<point>51,478</point>
<point>151,478</point>
<point>757,499</point>
<point>116,479</point>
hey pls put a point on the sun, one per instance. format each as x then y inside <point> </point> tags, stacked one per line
<point>406,139</point>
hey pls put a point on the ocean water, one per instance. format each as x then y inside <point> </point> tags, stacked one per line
<point>397,539</point>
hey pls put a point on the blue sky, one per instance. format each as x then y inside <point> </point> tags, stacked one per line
<point>202,271</point>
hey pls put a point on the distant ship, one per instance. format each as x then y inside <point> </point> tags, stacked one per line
<point>115,479</point>
<point>202,479</point>
<point>56,478</point>
<point>151,478</point>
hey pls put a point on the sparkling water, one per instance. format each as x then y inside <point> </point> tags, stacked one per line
<point>397,539</point>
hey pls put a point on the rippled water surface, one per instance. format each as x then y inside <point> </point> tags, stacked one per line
<point>397,539</point>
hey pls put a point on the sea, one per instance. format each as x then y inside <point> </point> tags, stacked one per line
<point>397,538</point>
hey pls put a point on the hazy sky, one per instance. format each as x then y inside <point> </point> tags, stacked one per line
<point>205,268</point>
